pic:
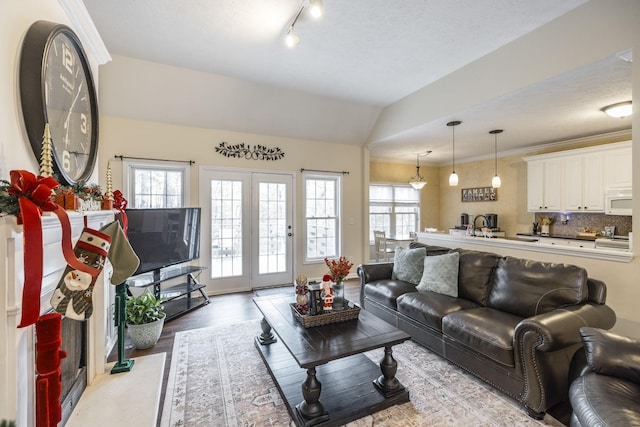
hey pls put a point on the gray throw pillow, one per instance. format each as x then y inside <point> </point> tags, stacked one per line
<point>408,264</point>
<point>440,274</point>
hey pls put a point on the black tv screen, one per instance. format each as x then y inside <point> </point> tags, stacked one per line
<point>164,237</point>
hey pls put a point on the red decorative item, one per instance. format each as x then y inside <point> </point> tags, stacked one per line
<point>34,197</point>
<point>49,380</point>
<point>120,203</point>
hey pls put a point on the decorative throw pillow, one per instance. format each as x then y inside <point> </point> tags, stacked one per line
<point>408,264</point>
<point>440,274</point>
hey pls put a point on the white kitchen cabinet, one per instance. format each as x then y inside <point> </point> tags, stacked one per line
<point>544,190</point>
<point>583,183</point>
<point>618,171</point>
<point>576,180</point>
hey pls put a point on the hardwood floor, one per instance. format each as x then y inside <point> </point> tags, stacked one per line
<point>222,309</point>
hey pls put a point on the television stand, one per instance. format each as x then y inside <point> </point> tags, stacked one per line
<point>177,294</point>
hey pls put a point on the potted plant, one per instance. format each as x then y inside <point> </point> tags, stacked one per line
<point>145,319</point>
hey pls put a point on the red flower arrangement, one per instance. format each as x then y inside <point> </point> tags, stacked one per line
<point>339,270</point>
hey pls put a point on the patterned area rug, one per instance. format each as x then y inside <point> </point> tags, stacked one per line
<point>217,378</point>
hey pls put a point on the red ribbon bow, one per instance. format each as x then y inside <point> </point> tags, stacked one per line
<point>34,196</point>
<point>120,203</point>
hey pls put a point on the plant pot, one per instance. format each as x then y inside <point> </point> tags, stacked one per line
<point>145,335</point>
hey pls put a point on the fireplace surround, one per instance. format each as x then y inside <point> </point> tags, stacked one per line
<point>17,351</point>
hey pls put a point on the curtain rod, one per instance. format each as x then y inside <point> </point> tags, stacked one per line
<point>191,162</point>
<point>316,170</point>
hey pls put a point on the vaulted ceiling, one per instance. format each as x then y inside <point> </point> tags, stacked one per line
<point>384,58</point>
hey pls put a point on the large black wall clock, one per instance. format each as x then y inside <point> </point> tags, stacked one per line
<point>56,87</point>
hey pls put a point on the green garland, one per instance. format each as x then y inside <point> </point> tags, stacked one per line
<point>8,202</point>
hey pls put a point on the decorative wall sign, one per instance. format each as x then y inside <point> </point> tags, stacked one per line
<point>249,152</point>
<point>479,194</point>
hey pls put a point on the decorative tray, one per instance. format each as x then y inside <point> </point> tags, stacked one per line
<point>350,312</point>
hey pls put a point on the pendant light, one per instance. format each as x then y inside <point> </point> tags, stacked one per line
<point>418,181</point>
<point>453,178</point>
<point>496,182</point>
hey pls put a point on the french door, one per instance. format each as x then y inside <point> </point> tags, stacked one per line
<point>247,229</point>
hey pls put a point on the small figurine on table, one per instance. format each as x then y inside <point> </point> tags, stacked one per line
<point>327,293</point>
<point>302,301</point>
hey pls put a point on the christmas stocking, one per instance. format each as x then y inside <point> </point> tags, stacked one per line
<point>49,380</point>
<point>72,297</point>
<point>121,255</point>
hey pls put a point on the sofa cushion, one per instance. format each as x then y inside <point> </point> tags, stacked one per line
<point>408,264</point>
<point>475,274</point>
<point>485,330</point>
<point>386,291</point>
<point>429,307</point>
<point>440,274</point>
<point>526,288</point>
<point>605,401</point>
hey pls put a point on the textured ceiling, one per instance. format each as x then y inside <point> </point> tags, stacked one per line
<point>373,53</point>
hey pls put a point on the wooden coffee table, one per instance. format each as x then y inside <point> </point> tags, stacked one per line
<point>337,383</point>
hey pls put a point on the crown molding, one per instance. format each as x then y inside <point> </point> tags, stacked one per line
<point>85,28</point>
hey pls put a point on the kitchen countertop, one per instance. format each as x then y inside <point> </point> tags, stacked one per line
<point>560,236</point>
<point>528,244</point>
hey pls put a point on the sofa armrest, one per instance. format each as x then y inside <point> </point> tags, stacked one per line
<point>559,328</point>
<point>611,354</point>
<point>370,272</point>
<point>544,345</point>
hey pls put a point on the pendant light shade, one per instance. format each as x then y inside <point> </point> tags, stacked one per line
<point>418,181</point>
<point>453,178</point>
<point>496,182</point>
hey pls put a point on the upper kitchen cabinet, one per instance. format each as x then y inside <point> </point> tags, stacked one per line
<point>544,192</point>
<point>576,180</point>
<point>583,183</point>
<point>618,170</point>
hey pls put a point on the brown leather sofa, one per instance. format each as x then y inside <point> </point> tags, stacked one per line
<point>515,323</point>
<point>606,390</point>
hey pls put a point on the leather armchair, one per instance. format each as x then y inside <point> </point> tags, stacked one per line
<point>606,390</point>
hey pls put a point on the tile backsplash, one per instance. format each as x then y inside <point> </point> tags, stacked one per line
<point>577,222</point>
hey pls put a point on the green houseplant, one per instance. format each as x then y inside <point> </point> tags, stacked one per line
<point>145,319</point>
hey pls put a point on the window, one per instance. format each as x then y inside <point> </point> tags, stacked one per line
<point>321,216</point>
<point>156,185</point>
<point>394,209</point>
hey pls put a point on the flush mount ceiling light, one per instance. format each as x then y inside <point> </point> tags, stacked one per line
<point>619,110</point>
<point>453,178</point>
<point>418,181</point>
<point>315,9</point>
<point>496,182</point>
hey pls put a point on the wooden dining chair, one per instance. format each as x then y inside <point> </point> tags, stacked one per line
<point>381,246</point>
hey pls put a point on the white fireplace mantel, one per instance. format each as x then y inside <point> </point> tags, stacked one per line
<point>17,345</point>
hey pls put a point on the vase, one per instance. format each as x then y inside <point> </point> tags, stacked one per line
<point>338,295</point>
<point>544,230</point>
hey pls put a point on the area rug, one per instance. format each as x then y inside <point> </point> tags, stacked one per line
<point>217,378</point>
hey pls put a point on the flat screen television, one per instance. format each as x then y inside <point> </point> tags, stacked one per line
<point>164,237</point>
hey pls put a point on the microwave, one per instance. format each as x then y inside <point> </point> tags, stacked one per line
<point>618,202</point>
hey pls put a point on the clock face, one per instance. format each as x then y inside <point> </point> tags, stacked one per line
<point>56,87</point>
<point>68,107</point>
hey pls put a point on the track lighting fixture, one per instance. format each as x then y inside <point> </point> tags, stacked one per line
<point>316,9</point>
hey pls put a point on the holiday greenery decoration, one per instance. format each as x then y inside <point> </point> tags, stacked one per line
<point>255,152</point>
